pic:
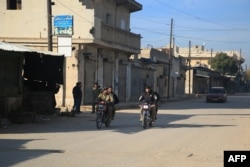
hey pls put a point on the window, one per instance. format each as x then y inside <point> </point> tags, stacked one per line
<point>108,18</point>
<point>14,4</point>
<point>123,24</point>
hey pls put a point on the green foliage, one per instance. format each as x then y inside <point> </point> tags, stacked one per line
<point>248,74</point>
<point>225,64</point>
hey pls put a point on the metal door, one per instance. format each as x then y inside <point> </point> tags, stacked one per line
<point>136,86</point>
<point>122,82</point>
<point>108,74</point>
<point>89,80</point>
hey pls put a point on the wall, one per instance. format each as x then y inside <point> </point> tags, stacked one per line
<point>87,14</point>
<point>11,84</point>
<point>32,17</point>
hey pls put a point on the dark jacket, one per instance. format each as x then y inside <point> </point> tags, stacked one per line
<point>148,97</point>
<point>96,92</point>
<point>77,92</point>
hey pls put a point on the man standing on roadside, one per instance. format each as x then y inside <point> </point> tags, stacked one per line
<point>96,91</point>
<point>77,95</point>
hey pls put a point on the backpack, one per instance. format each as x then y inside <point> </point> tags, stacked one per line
<point>116,99</point>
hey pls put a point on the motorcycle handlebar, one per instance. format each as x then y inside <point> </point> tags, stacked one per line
<point>151,105</point>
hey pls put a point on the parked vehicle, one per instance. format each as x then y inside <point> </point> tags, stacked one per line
<point>102,116</point>
<point>146,115</point>
<point>217,94</point>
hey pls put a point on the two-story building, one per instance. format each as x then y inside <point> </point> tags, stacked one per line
<point>94,36</point>
<point>169,72</point>
<point>200,77</point>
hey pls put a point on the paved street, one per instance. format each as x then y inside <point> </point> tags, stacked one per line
<point>188,133</point>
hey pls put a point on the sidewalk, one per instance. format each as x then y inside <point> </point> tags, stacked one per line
<point>4,123</point>
<point>132,105</point>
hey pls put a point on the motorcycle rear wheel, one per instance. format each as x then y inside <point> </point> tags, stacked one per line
<point>107,121</point>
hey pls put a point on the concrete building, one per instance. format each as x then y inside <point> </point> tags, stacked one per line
<point>94,36</point>
<point>200,57</point>
<point>169,79</point>
<point>200,76</point>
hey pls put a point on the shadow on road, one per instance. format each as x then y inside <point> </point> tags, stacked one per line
<point>126,122</point>
<point>13,151</point>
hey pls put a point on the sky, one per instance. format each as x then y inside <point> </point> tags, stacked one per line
<point>221,25</point>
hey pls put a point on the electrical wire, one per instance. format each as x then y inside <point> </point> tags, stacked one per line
<point>65,6</point>
<point>189,14</point>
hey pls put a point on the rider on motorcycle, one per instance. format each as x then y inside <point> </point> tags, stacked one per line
<point>149,97</point>
<point>116,100</point>
<point>108,98</point>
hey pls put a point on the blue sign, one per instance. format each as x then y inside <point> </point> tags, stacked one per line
<point>63,25</point>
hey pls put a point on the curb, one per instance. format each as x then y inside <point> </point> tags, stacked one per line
<point>134,105</point>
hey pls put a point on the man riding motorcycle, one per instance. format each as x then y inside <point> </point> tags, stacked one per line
<point>149,97</point>
<point>108,98</point>
<point>116,100</point>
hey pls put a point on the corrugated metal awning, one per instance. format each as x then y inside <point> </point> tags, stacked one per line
<point>39,65</point>
<point>21,48</point>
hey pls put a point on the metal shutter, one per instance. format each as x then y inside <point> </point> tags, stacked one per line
<point>108,74</point>
<point>122,82</point>
<point>89,80</point>
<point>136,86</point>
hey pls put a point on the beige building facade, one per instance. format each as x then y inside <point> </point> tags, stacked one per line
<point>200,57</point>
<point>169,75</point>
<point>200,76</point>
<point>98,50</point>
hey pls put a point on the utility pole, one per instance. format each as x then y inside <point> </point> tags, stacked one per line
<point>170,57</point>
<point>246,78</point>
<point>173,46</point>
<point>189,68</point>
<point>49,15</point>
<point>210,77</point>
<point>240,62</point>
<point>211,59</point>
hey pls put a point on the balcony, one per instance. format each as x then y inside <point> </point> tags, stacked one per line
<point>132,5</point>
<point>117,38</point>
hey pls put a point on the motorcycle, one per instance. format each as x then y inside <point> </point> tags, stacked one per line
<point>102,115</point>
<point>146,115</point>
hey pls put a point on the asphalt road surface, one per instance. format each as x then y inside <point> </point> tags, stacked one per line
<point>189,133</point>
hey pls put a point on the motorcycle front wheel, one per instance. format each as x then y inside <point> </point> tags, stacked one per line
<point>144,120</point>
<point>99,118</point>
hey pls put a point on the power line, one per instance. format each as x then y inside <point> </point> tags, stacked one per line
<point>150,20</point>
<point>189,14</point>
<point>212,29</point>
<point>73,11</point>
<point>212,40</point>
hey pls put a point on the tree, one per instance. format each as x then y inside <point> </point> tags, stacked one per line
<point>248,75</point>
<point>225,64</point>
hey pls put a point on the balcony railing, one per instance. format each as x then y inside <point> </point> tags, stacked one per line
<point>119,38</point>
<point>132,5</point>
